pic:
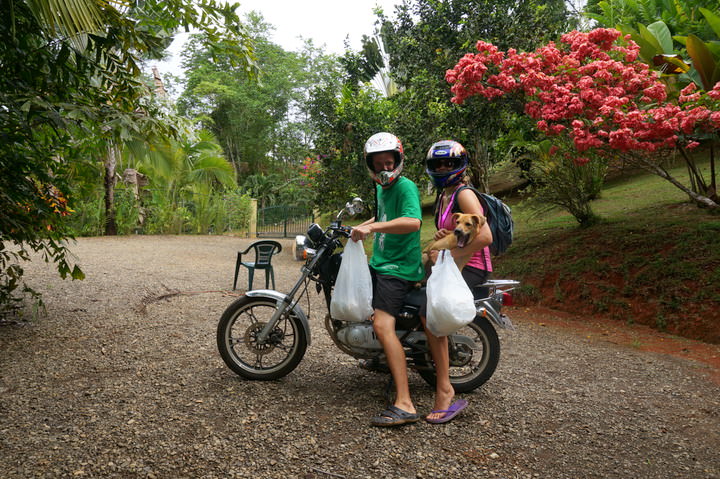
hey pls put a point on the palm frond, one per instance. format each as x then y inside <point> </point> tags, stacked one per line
<point>213,169</point>
<point>68,17</point>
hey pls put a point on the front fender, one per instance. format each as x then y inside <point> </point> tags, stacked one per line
<point>278,296</point>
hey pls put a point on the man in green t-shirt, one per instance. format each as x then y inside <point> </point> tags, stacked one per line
<point>396,263</point>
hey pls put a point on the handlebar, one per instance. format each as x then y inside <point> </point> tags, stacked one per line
<point>342,229</point>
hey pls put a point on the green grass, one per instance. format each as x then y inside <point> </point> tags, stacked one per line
<point>654,258</point>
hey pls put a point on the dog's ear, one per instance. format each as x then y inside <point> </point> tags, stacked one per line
<point>455,217</point>
<point>478,220</point>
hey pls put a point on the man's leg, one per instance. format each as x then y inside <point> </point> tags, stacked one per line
<point>384,325</point>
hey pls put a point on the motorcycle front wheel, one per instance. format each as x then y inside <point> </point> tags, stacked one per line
<point>470,367</point>
<point>239,347</point>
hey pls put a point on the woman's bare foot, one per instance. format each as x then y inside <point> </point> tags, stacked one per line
<point>443,399</point>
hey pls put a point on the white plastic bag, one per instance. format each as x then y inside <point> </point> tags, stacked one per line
<point>450,303</point>
<point>352,295</point>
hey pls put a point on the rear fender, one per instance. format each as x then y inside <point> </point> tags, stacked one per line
<point>283,298</point>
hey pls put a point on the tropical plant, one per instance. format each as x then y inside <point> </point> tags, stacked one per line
<point>681,16</point>
<point>69,72</point>
<point>591,91</point>
<point>686,49</point>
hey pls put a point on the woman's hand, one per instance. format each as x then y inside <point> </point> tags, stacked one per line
<point>441,233</point>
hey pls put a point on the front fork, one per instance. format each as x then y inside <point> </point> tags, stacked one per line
<point>284,304</point>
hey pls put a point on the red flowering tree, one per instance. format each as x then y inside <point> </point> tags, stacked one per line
<point>590,91</point>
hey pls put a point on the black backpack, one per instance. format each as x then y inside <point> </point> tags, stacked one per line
<point>499,218</point>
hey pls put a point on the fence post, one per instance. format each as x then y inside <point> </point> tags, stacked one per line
<point>252,232</point>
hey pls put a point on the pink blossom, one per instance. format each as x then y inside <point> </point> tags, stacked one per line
<point>581,160</point>
<point>591,89</point>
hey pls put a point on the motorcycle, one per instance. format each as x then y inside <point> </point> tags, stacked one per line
<point>264,334</point>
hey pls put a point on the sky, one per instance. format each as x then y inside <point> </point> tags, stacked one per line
<point>326,22</point>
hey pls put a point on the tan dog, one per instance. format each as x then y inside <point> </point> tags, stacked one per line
<point>467,226</point>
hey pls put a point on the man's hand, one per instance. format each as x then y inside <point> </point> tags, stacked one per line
<point>360,232</point>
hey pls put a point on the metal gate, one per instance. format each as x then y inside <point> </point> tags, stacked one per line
<point>283,221</point>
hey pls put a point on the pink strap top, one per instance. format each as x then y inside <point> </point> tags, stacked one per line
<point>480,259</point>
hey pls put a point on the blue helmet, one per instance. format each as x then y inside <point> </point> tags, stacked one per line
<point>450,154</point>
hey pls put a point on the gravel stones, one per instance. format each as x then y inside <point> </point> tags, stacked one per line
<point>121,378</point>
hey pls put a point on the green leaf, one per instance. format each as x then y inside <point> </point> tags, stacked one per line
<point>77,273</point>
<point>662,34</point>
<point>713,20</point>
<point>714,48</point>
<point>649,37</point>
<point>681,39</point>
<point>703,61</point>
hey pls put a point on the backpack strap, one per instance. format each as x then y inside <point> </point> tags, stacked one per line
<point>437,208</point>
<point>486,210</point>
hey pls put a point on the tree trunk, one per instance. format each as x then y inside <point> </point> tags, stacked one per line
<point>480,167</point>
<point>661,172</point>
<point>110,165</point>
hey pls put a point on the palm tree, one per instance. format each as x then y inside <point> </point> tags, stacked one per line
<point>112,67</point>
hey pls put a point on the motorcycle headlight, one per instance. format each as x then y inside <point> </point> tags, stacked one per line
<point>315,233</point>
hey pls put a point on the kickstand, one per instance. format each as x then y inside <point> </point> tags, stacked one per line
<point>389,392</point>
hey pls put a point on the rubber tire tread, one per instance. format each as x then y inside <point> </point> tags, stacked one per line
<point>227,356</point>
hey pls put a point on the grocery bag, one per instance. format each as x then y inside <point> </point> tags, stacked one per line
<point>450,303</point>
<point>352,296</point>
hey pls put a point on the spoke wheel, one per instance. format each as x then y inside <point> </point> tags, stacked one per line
<point>240,347</point>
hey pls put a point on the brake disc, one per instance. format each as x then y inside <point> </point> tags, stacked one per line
<point>275,337</point>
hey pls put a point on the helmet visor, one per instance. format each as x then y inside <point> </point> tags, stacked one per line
<point>450,163</point>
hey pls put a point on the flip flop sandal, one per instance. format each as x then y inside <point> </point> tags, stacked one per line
<point>394,416</point>
<point>450,412</point>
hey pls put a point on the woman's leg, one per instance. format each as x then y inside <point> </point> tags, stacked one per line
<point>444,392</point>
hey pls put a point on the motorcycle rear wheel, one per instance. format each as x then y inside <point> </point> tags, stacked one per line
<point>470,368</point>
<point>237,339</point>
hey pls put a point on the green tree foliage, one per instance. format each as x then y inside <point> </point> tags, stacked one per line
<point>425,40</point>
<point>345,120</point>
<point>70,71</point>
<point>261,125</point>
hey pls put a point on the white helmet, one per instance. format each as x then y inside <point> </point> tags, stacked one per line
<point>380,142</point>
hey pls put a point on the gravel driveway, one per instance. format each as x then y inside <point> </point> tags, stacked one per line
<point>115,382</point>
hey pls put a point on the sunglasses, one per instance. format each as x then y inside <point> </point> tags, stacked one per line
<point>435,163</point>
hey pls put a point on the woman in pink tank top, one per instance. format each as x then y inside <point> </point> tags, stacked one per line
<point>446,163</point>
